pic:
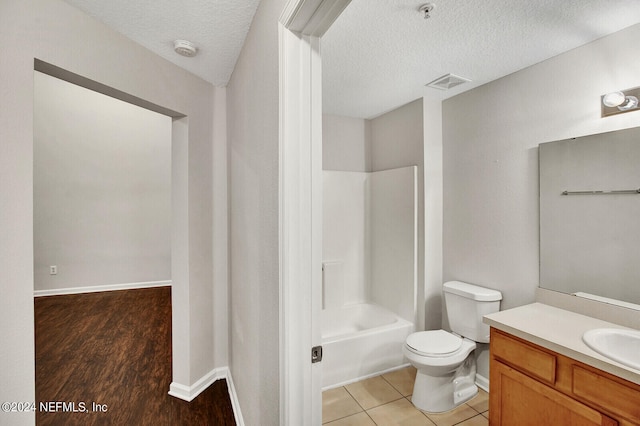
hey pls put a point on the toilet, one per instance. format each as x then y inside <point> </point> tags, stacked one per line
<point>444,360</point>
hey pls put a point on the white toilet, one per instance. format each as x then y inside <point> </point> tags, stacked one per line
<point>445,363</point>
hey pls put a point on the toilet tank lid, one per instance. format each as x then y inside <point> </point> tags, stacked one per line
<point>471,291</point>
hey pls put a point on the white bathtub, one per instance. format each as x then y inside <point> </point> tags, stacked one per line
<point>360,341</point>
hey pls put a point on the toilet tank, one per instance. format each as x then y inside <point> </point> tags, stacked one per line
<point>466,304</point>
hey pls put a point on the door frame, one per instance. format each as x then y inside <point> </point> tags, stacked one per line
<point>302,24</point>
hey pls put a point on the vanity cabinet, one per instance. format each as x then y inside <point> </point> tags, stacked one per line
<point>532,385</point>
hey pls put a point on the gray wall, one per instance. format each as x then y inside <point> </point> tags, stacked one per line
<point>102,189</point>
<point>346,143</point>
<point>490,146</point>
<point>397,140</point>
<point>253,143</point>
<point>56,33</point>
<point>432,123</point>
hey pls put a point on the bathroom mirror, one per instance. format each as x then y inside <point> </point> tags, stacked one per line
<point>590,216</point>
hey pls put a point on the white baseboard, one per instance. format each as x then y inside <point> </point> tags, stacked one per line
<point>234,399</point>
<point>98,288</point>
<point>188,393</point>
<point>482,382</point>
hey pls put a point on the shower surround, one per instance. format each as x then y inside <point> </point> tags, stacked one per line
<point>369,271</point>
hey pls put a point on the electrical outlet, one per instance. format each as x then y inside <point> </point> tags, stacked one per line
<point>53,270</point>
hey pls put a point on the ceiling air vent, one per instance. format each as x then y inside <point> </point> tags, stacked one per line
<point>447,82</point>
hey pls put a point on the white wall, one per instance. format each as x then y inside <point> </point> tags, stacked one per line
<point>346,234</point>
<point>253,144</point>
<point>490,140</point>
<point>102,189</point>
<point>370,228</point>
<point>346,143</point>
<point>393,230</point>
<point>56,33</point>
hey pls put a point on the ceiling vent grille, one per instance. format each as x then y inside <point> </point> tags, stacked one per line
<point>447,81</point>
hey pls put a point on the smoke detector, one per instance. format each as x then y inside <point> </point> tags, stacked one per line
<point>185,48</point>
<point>447,81</point>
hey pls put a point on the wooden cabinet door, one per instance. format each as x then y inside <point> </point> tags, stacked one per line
<point>516,399</point>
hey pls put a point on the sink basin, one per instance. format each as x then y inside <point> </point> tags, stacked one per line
<point>617,344</point>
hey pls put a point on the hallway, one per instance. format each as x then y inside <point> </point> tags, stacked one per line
<point>107,356</point>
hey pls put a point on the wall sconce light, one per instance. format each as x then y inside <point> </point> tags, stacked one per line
<point>620,102</point>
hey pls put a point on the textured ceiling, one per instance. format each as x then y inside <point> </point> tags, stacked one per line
<point>379,54</point>
<point>217,27</point>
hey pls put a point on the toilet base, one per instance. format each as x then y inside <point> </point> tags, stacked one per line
<point>437,394</point>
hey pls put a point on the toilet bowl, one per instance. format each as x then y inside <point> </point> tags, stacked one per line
<point>445,361</point>
<point>438,355</point>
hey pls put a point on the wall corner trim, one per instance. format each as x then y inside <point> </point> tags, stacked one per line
<point>189,393</point>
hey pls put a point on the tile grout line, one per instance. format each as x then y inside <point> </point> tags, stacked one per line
<point>391,384</point>
<point>402,396</point>
<point>354,398</point>
<point>385,403</point>
<point>472,417</point>
<point>408,398</point>
<point>472,408</point>
<point>369,415</point>
<point>379,405</point>
<point>469,418</point>
<point>349,415</point>
<point>422,412</point>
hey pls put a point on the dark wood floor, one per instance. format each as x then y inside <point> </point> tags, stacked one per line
<point>114,349</point>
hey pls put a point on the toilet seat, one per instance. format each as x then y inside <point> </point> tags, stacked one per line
<point>434,343</point>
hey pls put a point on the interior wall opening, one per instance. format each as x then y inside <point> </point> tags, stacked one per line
<point>108,186</point>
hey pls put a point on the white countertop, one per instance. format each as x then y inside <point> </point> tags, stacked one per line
<point>561,331</point>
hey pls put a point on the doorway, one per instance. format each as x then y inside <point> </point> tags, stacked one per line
<point>102,191</point>
<point>178,166</point>
<point>102,222</point>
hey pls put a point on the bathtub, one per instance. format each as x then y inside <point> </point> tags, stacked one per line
<point>359,341</point>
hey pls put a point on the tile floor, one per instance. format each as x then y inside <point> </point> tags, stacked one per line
<point>386,401</point>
